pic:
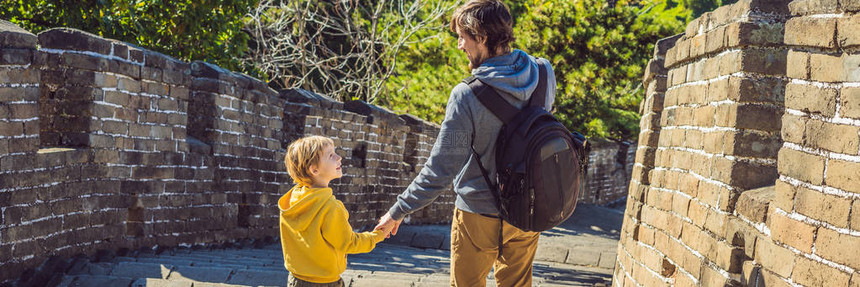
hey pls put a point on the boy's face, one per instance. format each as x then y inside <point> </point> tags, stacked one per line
<point>328,167</point>
<point>476,51</point>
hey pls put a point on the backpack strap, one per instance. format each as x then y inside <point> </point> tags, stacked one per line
<point>491,99</point>
<point>538,98</point>
<point>503,110</point>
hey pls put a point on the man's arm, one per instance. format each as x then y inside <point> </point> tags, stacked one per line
<point>447,158</point>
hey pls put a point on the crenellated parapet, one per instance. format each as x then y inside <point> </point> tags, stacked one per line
<point>749,178</point>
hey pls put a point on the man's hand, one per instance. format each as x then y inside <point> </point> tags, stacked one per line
<point>388,225</point>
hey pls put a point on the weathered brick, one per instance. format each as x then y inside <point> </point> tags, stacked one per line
<point>812,273</point>
<point>843,175</point>
<point>808,31</point>
<point>715,40</point>
<point>117,98</point>
<point>794,233</point>
<point>749,175</point>
<point>713,141</point>
<point>850,102</point>
<point>807,7</point>
<point>693,28</point>
<point>848,29</point>
<point>811,99</point>
<point>749,143</point>
<point>697,46</point>
<point>711,277</point>
<point>784,195</point>
<point>726,115</point>
<point>801,165</point>
<point>128,85</point>
<point>828,208</point>
<point>73,39</point>
<point>855,215</point>
<point>794,128</point>
<point>772,280</point>
<point>834,137</point>
<point>769,62</point>
<point>798,65</point>
<point>704,116</point>
<point>838,247</point>
<point>682,50</point>
<point>753,204</point>
<point>755,90</point>
<point>11,128</point>
<point>12,56</point>
<point>717,223</point>
<point>756,33</point>
<point>775,258</point>
<point>827,68</point>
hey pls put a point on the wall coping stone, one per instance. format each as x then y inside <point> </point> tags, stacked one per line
<point>663,45</point>
<point>12,36</point>
<point>302,96</point>
<point>372,112</point>
<point>418,124</point>
<point>75,40</point>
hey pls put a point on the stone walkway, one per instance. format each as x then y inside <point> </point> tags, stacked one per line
<point>580,252</point>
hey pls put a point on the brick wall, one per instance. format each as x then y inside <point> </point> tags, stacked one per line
<point>610,165</point>
<point>710,133</point>
<point>749,178</point>
<point>106,146</point>
<point>815,216</point>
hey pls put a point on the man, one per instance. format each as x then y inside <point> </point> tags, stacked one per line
<point>485,33</point>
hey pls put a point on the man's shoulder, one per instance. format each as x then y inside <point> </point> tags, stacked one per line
<point>461,92</point>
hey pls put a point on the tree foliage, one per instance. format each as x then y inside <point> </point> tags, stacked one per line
<point>598,52</point>
<point>186,29</point>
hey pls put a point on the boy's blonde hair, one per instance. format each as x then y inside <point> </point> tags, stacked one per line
<point>303,153</point>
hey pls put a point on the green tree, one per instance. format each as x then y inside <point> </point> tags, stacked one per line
<point>599,53</point>
<point>188,30</point>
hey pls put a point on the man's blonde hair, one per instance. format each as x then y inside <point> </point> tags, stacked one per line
<point>302,154</point>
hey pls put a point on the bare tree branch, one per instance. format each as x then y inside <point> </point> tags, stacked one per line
<point>344,49</point>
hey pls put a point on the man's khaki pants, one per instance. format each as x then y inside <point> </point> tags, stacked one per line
<point>475,249</point>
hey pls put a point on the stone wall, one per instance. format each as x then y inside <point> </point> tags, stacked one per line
<point>106,146</point>
<point>610,165</point>
<point>747,167</point>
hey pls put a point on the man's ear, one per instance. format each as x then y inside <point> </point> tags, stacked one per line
<point>481,40</point>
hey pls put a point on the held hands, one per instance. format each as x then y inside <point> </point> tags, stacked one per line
<point>388,225</point>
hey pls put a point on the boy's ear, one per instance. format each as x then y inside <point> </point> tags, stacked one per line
<point>314,169</point>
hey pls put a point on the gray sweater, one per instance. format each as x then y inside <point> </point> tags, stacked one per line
<point>515,77</point>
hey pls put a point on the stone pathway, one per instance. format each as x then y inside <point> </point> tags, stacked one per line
<point>580,252</point>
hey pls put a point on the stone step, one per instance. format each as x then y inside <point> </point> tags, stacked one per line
<point>94,280</point>
<point>234,264</point>
<point>135,270</point>
<point>259,278</point>
<point>158,282</point>
<point>204,274</point>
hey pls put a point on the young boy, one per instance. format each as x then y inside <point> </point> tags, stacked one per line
<point>315,231</point>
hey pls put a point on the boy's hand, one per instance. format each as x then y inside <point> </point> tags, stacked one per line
<point>388,225</point>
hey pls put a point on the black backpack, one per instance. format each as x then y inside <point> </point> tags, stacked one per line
<point>539,163</point>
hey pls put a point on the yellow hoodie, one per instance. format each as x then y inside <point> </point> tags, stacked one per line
<point>316,235</point>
